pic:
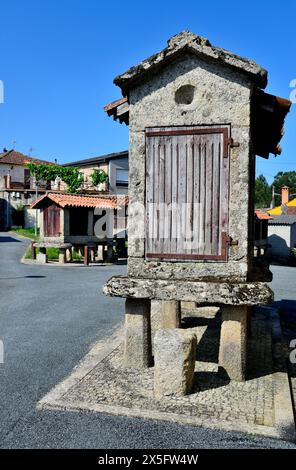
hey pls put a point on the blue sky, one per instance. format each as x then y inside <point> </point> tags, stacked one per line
<point>59,57</point>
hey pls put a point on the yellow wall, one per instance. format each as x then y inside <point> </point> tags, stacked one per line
<point>278,210</point>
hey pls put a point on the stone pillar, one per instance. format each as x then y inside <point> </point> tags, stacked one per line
<point>233,341</point>
<point>171,314</point>
<point>137,347</point>
<point>174,358</point>
<point>164,314</point>
<point>92,254</point>
<point>69,254</point>
<point>42,256</point>
<point>62,255</point>
<point>100,253</point>
<point>168,312</point>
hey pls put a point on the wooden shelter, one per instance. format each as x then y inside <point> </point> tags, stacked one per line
<point>69,220</point>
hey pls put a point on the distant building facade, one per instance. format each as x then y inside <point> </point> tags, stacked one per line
<point>282,227</point>
<point>114,164</point>
<point>18,189</point>
<point>282,236</point>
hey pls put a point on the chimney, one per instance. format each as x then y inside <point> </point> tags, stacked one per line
<point>7,182</point>
<point>285,192</point>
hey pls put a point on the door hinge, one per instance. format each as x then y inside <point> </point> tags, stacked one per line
<point>231,242</point>
<point>231,144</point>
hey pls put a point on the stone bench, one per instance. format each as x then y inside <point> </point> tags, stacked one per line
<point>65,251</point>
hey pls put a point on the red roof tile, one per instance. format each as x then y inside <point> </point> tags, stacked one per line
<point>262,215</point>
<point>12,157</point>
<point>77,200</point>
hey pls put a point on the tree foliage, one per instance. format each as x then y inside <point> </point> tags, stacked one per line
<point>70,175</point>
<point>262,192</point>
<point>287,178</point>
<point>98,176</point>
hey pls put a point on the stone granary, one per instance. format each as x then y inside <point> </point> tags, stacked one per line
<point>69,220</point>
<point>197,117</point>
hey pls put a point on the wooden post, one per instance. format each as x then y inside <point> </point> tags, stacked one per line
<point>33,248</point>
<point>86,255</point>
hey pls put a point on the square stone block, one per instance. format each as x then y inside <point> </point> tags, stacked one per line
<point>174,357</point>
<point>41,257</point>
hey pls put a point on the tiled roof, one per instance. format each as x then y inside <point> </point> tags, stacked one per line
<point>262,215</point>
<point>77,200</point>
<point>12,157</point>
<point>97,160</point>
<point>283,220</point>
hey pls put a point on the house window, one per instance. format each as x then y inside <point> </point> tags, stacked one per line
<point>121,177</point>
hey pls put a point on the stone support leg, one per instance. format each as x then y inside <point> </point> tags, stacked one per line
<point>164,314</point>
<point>100,253</point>
<point>233,341</point>
<point>167,312</point>
<point>62,256</point>
<point>93,254</point>
<point>69,254</point>
<point>137,348</point>
<point>42,256</point>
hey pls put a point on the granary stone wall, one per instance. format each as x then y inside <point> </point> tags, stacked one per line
<point>221,96</point>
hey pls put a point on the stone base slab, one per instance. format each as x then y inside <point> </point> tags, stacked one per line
<point>260,406</point>
<point>43,244</point>
<point>210,293</point>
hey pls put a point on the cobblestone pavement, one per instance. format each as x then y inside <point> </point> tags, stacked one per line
<point>287,312</point>
<point>214,395</point>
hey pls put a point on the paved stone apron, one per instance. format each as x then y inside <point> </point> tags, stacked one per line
<point>214,396</point>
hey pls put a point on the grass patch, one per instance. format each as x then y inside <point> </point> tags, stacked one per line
<point>52,254</point>
<point>26,232</point>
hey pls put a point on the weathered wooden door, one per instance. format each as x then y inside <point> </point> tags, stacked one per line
<point>51,220</point>
<point>187,191</point>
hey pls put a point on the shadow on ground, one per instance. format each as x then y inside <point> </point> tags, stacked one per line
<point>260,346</point>
<point>9,240</point>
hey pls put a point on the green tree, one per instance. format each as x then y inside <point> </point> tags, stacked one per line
<point>70,175</point>
<point>262,192</point>
<point>287,178</point>
<point>98,176</point>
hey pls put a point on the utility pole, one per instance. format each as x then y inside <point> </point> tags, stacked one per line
<point>36,215</point>
<point>273,198</point>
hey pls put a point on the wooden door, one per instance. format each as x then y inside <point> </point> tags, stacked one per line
<point>187,191</point>
<point>51,219</point>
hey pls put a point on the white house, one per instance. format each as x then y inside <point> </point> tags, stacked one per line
<point>282,236</point>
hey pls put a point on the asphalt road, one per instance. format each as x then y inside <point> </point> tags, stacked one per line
<point>49,318</point>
